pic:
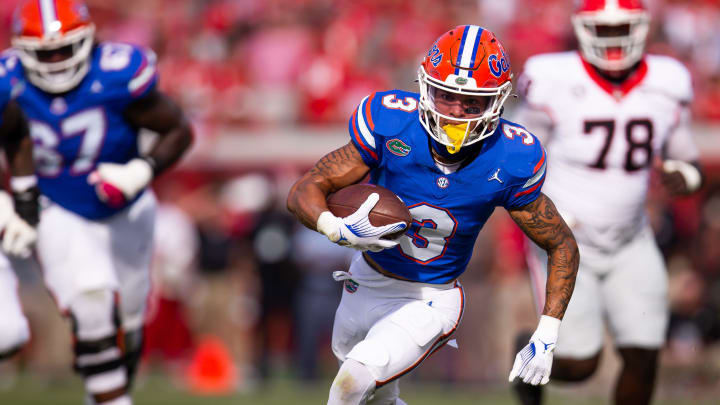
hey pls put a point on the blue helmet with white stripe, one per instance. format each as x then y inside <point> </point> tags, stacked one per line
<point>467,70</point>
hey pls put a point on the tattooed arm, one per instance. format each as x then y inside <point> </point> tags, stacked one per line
<point>541,222</point>
<point>339,168</point>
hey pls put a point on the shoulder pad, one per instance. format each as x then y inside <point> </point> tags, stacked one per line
<point>549,64</point>
<point>672,75</point>
<point>392,111</point>
<point>127,70</point>
<point>523,156</point>
<point>11,83</point>
<point>542,73</point>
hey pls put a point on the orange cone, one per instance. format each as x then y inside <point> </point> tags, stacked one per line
<point>211,371</point>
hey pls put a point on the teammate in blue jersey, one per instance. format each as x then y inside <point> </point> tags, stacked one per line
<point>18,219</point>
<point>451,158</point>
<point>85,102</point>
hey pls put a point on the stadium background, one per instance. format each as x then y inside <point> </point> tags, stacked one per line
<point>242,297</point>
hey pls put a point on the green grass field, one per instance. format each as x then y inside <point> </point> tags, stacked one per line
<point>159,390</point>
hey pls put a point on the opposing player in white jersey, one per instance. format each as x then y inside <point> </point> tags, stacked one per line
<point>86,102</point>
<point>610,114</point>
<point>18,218</point>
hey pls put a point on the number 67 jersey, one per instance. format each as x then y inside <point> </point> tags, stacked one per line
<point>448,210</point>
<point>74,131</point>
<point>602,138</point>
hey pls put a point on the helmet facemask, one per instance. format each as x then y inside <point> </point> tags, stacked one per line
<point>462,131</point>
<point>57,76</point>
<point>600,35</point>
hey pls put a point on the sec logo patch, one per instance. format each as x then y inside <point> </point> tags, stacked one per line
<point>443,182</point>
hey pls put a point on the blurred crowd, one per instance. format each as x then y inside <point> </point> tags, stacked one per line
<point>311,61</point>
<point>231,264</point>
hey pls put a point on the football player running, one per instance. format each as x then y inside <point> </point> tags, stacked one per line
<point>610,114</point>
<point>85,102</point>
<point>451,158</point>
<point>19,215</point>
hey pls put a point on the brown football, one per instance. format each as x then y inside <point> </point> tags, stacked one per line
<point>388,210</point>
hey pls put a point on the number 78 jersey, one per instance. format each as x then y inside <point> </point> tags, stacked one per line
<point>448,210</point>
<point>601,139</point>
<point>74,131</point>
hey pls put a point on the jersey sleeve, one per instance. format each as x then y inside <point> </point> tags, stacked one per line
<point>534,111</point>
<point>680,144</point>
<point>131,70</point>
<point>361,128</point>
<point>526,187</point>
<point>5,88</point>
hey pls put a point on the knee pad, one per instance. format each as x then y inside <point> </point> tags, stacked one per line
<point>99,351</point>
<point>353,384</point>
<point>94,315</point>
<point>13,337</point>
<point>370,352</point>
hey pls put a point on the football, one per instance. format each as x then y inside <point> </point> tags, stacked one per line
<point>388,210</point>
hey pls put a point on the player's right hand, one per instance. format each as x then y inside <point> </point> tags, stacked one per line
<point>115,184</point>
<point>18,236</point>
<point>356,231</point>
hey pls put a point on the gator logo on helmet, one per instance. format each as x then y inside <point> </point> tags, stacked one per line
<point>398,147</point>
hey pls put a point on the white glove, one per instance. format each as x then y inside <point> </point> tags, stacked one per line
<point>18,236</point>
<point>534,362</point>
<point>355,230</point>
<point>115,184</point>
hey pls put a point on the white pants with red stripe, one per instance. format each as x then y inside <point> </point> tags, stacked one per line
<point>390,325</point>
<point>627,288</point>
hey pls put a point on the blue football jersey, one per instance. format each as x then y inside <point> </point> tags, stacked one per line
<point>4,98</point>
<point>6,91</point>
<point>448,210</point>
<point>74,131</point>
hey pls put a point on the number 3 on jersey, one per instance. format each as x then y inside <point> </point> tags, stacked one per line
<point>429,234</point>
<point>408,104</point>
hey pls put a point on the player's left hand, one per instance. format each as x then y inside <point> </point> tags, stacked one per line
<point>115,184</point>
<point>19,237</point>
<point>672,180</point>
<point>534,362</point>
<point>678,177</point>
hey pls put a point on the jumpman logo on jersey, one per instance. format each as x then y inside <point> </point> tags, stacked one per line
<point>495,177</point>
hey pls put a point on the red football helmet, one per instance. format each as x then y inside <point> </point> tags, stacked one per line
<point>611,33</point>
<point>466,60</point>
<point>54,39</point>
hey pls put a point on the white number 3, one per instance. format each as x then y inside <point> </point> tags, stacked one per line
<point>408,104</point>
<point>512,131</point>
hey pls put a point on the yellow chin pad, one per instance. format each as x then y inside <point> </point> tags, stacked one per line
<point>456,133</point>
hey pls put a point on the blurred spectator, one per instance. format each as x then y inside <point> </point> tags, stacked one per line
<point>317,297</point>
<point>167,332</point>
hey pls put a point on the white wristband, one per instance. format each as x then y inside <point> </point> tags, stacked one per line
<point>548,328</point>
<point>327,225</point>
<point>689,172</point>
<point>22,183</point>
